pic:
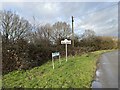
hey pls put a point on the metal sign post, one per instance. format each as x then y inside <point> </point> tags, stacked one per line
<point>66,42</point>
<point>66,51</point>
<point>53,63</point>
<point>54,55</point>
<point>59,60</point>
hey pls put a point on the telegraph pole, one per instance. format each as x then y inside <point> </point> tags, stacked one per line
<point>72,32</point>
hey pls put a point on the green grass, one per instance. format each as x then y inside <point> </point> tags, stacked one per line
<point>77,72</point>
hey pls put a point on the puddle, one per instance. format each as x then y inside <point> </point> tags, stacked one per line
<point>97,73</point>
<point>96,84</point>
<point>97,79</point>
<point>104,63</point>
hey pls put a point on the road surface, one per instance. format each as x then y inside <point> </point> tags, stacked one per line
<point>107,72</point>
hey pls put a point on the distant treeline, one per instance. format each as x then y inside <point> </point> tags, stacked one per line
<point>26,45</point>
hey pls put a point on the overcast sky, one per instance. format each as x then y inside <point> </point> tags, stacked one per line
<point>102,17</point>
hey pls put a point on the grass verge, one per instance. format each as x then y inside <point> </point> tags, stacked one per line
<point>77,72</point>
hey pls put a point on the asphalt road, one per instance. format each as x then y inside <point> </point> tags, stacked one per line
<point>107,73</point>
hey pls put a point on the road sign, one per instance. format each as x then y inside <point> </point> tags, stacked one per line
<point>66,42</point>
<point>54,55</point>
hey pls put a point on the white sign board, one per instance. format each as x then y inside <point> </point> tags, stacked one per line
<point>66,42</point>
<point>55,54</point>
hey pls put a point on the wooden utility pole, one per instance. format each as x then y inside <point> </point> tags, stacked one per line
<point>72,33</point>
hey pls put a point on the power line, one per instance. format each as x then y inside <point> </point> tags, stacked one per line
<point>102,9</point>
<point>99,10</point>
<point>110,6</point>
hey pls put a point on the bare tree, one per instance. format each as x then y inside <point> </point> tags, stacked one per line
<point>13,26</point>
<point>45,31</point>
<point>60,30</point>
<point>14,30</point>
<point>88,34</point>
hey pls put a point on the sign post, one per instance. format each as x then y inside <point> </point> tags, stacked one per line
<point>53,63</point>
<point>54,55</point>
<point>66,42</point>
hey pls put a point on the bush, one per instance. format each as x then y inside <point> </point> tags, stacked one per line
<point>97,43</point>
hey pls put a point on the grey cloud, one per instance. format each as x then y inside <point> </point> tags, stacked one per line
<point>104,20</point>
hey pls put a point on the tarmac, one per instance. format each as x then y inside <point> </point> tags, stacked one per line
<point>107,71</point>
